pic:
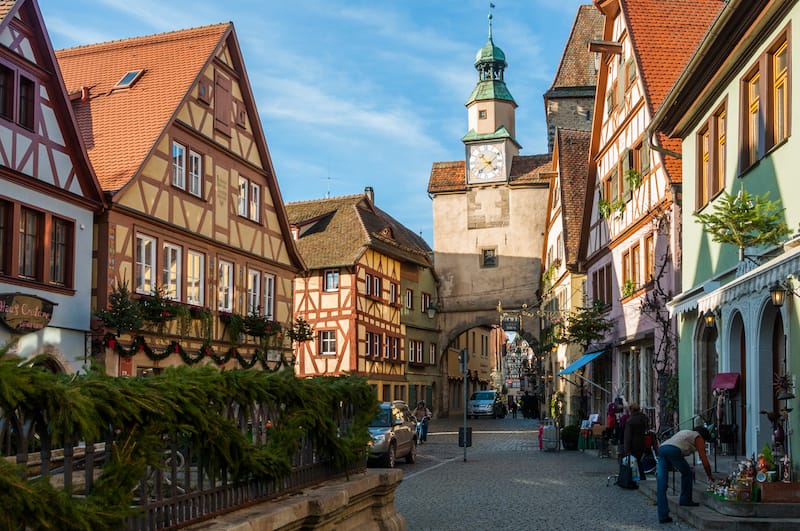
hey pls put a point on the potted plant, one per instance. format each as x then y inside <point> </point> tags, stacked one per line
<point>301,330</point>
<point>569,437</point>
<point>123,313</point>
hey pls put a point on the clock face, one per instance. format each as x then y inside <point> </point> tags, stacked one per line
<point>486,163</point>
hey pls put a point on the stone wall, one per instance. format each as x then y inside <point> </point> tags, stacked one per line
<point>364,502</point>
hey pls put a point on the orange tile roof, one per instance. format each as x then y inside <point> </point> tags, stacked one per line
<point>5,7</point>
<point>664,35</point>
<point>452,176</point>
<point>120,127</point>
<point>573,165</point>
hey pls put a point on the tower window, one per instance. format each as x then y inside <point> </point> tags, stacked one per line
<point>482,114</point>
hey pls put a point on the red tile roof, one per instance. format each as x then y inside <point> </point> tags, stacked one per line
<point>577,67</point>
<point>171,63</point>
<point>525,170</point>
<point>664,35</point>
<point>572,148</point>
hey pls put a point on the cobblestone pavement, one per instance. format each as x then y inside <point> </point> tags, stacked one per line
<point>506,482</point>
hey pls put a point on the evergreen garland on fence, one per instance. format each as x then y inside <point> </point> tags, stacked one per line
<point>139,345</point>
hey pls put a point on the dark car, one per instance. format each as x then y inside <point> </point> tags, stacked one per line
<point>393,435</point>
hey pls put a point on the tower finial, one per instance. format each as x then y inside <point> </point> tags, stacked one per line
<point>491,6</point>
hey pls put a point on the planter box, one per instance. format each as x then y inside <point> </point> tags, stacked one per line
<point>779,492</point>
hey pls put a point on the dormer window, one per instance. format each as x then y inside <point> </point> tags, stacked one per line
<point>129,79</point>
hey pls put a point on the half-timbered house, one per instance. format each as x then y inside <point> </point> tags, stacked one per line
<point>632,219</point>
<point>48,198</point>
<point>195,215</point>
<point>352,292</point>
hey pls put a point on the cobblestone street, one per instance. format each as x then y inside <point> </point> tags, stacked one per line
<point>508,483</point>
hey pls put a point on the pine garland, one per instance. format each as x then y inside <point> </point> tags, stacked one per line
<point>139,345</point>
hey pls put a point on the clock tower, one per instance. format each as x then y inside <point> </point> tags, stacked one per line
<point>490,143</point>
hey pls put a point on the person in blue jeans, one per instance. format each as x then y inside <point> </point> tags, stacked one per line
<point>673,452</point>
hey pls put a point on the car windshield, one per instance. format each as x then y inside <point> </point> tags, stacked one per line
<point>483,395</point>
<point>383,420</point>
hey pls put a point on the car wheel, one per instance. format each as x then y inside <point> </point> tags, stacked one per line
<point>389,460</point>
<point>411,458</point>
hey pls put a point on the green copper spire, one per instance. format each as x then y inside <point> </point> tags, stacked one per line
<point>490,62</point>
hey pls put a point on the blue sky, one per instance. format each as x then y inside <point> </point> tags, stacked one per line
<point>361,92</point>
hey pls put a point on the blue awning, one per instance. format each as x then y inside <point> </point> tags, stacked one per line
<point>582,362</point>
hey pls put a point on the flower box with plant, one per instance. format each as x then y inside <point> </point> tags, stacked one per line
<point>628,289</point>
<point>260,326</point>
<point>157,308</point>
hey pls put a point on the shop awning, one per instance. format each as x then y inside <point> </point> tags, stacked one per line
<point>582,362</point>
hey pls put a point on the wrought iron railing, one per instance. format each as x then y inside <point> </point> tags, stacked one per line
<point>180,489</point>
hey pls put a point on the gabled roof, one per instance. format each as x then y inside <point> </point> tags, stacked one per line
<point>335,232</point>
<point>526,170</point>
<point>572,149</point>
<point>577,68</point>
<point>664,35</point>
<point>28,11</point>
<point>120,127</point>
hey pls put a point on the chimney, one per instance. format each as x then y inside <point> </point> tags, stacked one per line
<point>84,93</point>
<point>370,193</point>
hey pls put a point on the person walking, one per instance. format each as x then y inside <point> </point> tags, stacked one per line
<point>633,442</point>
<point>512,405</point>
<point>672,452</point>
<point>423,415</point>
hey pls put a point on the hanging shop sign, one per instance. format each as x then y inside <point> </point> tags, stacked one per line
<point>511,323</point>
<point>24,314</point>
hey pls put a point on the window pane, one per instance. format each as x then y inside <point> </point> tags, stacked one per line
<point>26,102</point>
<point>6,92</point>
<point>225,284</point>
<point>145,261</point>
<point>243,189</point>
<point>28,242</point>
<point>254,292</point>
<point>255,202</point>
<point>781,94</point>
<point>719,170</point>
<point>753,124</point>
<point>178,165</point>
<point>269,296</point>
<point>170,280</point>
<point>195,174</point>
<point>59,251</point>
<point>194,278</point>
<point>331,280</point>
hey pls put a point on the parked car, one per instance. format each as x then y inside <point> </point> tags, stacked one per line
<point>393,434</point>
<point>487,403</point>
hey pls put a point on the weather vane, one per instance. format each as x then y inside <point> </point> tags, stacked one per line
<point>491,6</point>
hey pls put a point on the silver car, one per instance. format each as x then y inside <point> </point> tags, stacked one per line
<point>486,403</point>
<point>393,435</point>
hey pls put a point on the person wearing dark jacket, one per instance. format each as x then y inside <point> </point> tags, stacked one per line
<point>633,442</point>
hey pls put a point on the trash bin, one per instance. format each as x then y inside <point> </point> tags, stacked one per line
<point>549,436</point>
<point>462,440</point>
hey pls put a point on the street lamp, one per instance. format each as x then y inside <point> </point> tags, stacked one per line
<point>431,310</point>
<point>708,319</point>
